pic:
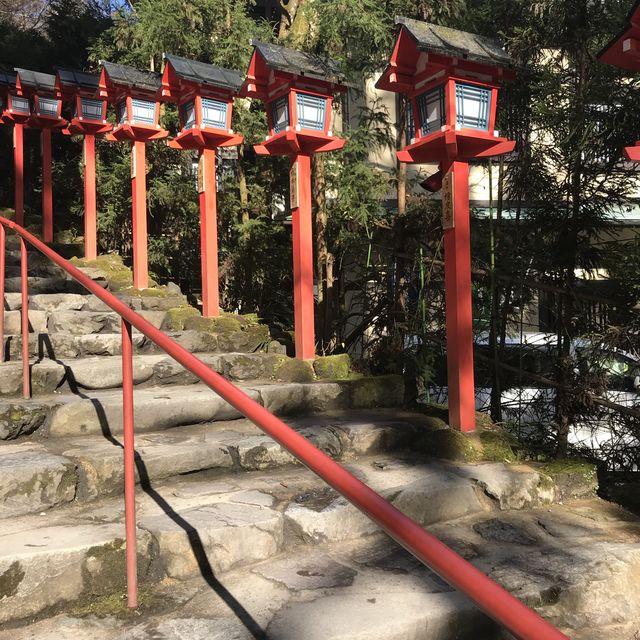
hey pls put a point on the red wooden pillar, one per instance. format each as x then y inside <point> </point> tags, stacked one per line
<point>139,202</point>
<point>18,163</point>
<point>90,216</point>
<point>208,233</point>
<point>303,258</point>
<point>459,313</point>
<point>47,189</point>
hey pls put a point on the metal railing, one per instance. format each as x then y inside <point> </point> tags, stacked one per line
<point>496,602</point>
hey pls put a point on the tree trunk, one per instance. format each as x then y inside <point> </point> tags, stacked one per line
<point>323,255</point>
<point>242,186</point>
<point>290,10</point>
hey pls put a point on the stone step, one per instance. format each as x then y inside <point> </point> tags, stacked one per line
<point>88,302</point>
<point>36,476</point>
<point>578,563</point>
<point>76,323</point>
<point>48,284</point>
<point>99,412</point>
<point>105,372</point>
<point>67,345</point>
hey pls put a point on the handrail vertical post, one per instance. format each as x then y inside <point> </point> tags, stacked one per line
<point>129,465</point>
<point>3,245</point>
<point>24,317</point>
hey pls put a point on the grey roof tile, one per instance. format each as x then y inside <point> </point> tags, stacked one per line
<point>7,78</point>
<point>204,73</point>
<point>298,62</point>
<point>132,77</point>
<point>36,80</point>
<point>75,78</point>
<point>437,39</point>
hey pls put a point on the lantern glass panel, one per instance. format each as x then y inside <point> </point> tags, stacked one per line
<point>312,111</point>
<point>121,112</point>
<point>280,114</point>
<point>91,108</point>
<point>214,113</point>
<point>410,124</point>
<point>188,113</point>
<point>431,110</point>
<point>144,111</point>
<point>472,106</point>
<point>48,107</point>
<point>19,104</point>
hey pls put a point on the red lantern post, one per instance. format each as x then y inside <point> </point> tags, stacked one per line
<point>136,96</point>
<point>297,89</point>
<point>46,115</point>
<point>89,119</point>
<point>15,110</point>
<point>204,94</point>
<point>624,52</point>
<point>450,79</point>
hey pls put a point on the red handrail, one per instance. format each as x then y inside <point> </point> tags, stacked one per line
<point>495,601</point>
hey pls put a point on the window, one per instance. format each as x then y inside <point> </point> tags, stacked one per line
<point>214,113</point>
<point>121,112</point>
<point>431,110</point>
<point>188,113</point>
<point>311,111</point>
<point>21,105</point>
<point>144,111</point>
<point>280,114</point>
<point>91,109</point>
<point>48,107</point>
<point>472,106</point>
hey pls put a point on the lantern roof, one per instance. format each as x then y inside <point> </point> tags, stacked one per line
<point>299,63</point>
<point>272,67</point>
<point>202,73</point>
<point>433,38</point>
<point>7,80</point>
<point>424,50</point>
<point>71,80</point>
<point>29,81</point>
<point>122,75</point>
<point>624,49</point>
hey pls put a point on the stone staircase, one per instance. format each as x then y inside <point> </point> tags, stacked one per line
<point>235,539</point>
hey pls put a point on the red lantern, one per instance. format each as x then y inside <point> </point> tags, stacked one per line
<point>624,52</point>
<point>297,89</point>
<point>204,94</point>
<point>89,119</point>
<point>450,80</point>
<point>136,97</point>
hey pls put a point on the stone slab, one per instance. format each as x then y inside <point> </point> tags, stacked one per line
<point>32,480</point>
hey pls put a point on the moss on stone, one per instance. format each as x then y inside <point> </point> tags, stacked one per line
<point>117,274</point>
<point>451,445</point>
<point>176,317</point>
<point>336,367</point>
<point>573,478</point>
<point>497,446</point>
<point>293,370</point>
<point>115,605</point>
<point>150,292</point>
<point>378,391</point>
<point>104,569</point>
<point>10,580</point>
<point>225,324</point>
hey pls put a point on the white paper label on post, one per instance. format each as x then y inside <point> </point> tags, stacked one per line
<point>293,186</point>
<point>448,202</point>
<point>202,181</point>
